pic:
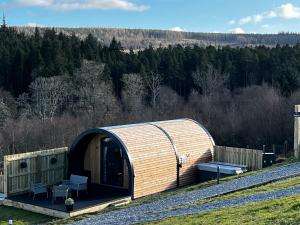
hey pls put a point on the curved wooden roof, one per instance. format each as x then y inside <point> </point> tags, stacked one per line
<point>155,149</point>
<point>152,156</point>
<point>162,154</point>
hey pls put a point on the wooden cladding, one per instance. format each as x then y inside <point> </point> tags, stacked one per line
<point>160,155</point>
<point>47,166</point>
<point>154,149</point>
<point>250,157</point>
<point>193,144</point>
<point>92,159</point>
<point>153,158</point>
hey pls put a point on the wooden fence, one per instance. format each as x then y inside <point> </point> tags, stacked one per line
<point>21,170</point>
<point>250,157</point>
<point>1,177</point>
<point>1,182</point>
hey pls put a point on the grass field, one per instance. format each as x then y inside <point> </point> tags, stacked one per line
<point>279,211</point>
<point>21,217</point>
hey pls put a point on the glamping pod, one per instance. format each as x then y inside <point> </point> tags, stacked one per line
<point>141,159</point>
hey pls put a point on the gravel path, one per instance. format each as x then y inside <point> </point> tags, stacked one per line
<point>207,207</point>
<point>1,198</point>
<point>166,207</point>
<point>140,218</point>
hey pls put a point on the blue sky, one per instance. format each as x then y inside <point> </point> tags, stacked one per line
<point>251,16</point>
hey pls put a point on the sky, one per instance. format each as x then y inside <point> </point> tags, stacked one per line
<point>234,16</point>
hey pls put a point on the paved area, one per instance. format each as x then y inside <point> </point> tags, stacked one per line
<point>168,206</point>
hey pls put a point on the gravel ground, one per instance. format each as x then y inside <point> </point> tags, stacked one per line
<point>1,198</point>
<point>166,207</point>
<point>211,206</point>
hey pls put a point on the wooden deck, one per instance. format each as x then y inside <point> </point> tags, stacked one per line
<point>84,204</point>
<point>59,210</point>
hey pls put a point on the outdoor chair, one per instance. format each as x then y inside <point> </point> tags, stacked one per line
<point>59,191</point>
<point>76,183</point>
<point>38,188</point>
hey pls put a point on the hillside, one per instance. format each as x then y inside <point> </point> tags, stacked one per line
<point>142,38</point>
<point>59,82</point>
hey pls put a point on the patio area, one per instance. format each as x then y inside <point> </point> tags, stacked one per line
<point>97,199</point>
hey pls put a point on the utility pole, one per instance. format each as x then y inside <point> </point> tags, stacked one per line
<point>297,131</point>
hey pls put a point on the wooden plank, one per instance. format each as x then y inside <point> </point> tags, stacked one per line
<point>39,169</point>
<point>35,153</point>
<point>36,209</point>
<point>250,157</point>
<point>61,214</point>
<point>5,182</point>
<point>1,182</point>
<point>38,160</point>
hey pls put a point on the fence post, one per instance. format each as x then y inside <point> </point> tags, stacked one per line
<point>38,171</point>
<point>5,177</point>
<point>285,148</point>
<point>264,148</point>
<point>65,165</point>
<point>218,174</point>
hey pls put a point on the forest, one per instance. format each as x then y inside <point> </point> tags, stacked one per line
<point>54,85</point>
<point>142,38</point>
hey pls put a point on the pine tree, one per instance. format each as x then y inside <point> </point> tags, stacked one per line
<point>4,25</point>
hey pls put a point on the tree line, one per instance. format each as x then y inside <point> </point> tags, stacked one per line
<point>53,86</point>
<point>142,38</point>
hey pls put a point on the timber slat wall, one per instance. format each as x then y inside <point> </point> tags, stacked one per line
<point>154,157</point>
<point>250,157</point>
<point>39,169</point>
<point>191,142</point>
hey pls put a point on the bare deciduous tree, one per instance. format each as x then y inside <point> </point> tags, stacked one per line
<point>169,104</point>
<point>210,81</point>
<point>133,93</point>
<point>94,91</point>
<point>47,94</point>
<point>5,113</point>
<point>153,81</point>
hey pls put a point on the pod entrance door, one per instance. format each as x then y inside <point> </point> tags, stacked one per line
<point>111,163</point>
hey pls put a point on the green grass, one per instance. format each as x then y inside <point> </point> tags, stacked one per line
<point>278,211</point>
<point>21,217</point>
<point>25,217</point>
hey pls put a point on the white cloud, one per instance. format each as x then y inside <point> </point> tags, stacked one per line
<point>178,29</point>
<point>265,26</point>
<point>245,20</point>
<point>231,22</point>
<point>65,5</point>
<point>35,2</point>
<point>288,11</point>
<point>285,11</point>
<point>237,30</point>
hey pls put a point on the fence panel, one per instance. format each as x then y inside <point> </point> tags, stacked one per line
<point>21,170</point>
<point>1,183</point>
<point>250,157</point>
